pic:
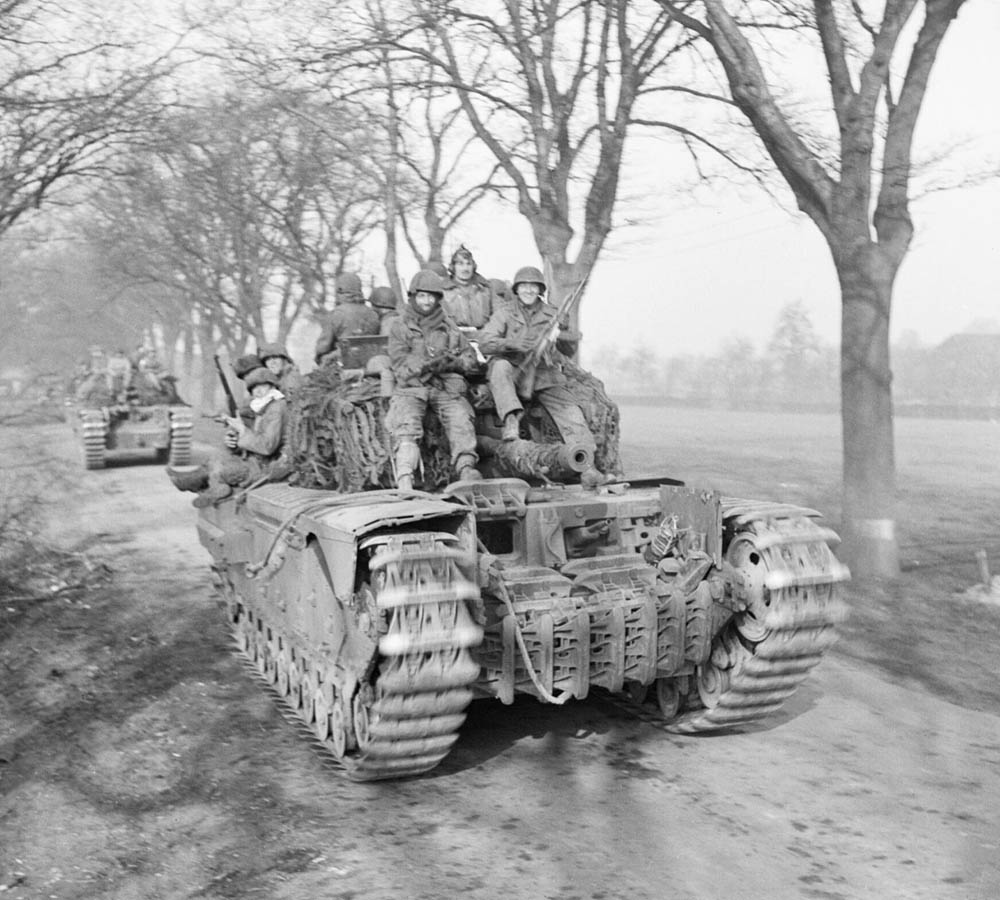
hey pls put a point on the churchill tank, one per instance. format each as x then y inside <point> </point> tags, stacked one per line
<point>378,615</point>
<point>129,411</point>
<point>164,430</point>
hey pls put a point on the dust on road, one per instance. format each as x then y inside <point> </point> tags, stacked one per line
<point>139,760</point>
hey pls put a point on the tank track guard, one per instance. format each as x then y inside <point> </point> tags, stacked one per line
<point>782,577</point>
<point>381,677</point>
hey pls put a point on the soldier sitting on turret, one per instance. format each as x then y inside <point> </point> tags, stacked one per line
<point>255,451</point>
<point>524,366</point>
<point>349,318</point>
<point>429,357</point>
<point>469,298</point>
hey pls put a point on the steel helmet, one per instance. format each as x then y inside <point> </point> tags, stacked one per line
<point>383,298</point>
<point>246,364</point>
<point>266,351</point>
<point>260,376</point>
<point>426,280</point>
<point>349,283</point>
<point>528,274</point>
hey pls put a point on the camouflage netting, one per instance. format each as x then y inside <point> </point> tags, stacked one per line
<point>339,437</point>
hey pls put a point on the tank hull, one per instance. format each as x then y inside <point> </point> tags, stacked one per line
<point>166,430</point>
<point>378,616</point>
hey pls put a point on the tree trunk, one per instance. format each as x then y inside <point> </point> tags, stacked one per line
<point>869,526</point>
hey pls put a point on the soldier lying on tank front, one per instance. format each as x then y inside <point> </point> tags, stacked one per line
<point>430,357</point>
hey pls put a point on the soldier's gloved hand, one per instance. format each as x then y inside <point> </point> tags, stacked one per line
<point>434,365</point>
<point>518,345</point>
<point>231,439</point>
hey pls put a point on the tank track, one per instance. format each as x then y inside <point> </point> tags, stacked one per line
<point>181,429</point>
<point>404,719</point>
<point>93,432</point>
<point>778,562</point>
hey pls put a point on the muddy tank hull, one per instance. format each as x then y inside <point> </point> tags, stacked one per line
<point>378,616</point>
<point>359,611</point>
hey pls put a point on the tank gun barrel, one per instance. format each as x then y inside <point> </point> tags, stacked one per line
<point>526,458</point>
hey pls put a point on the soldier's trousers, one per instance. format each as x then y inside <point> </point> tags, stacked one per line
<point>406,418</point>
<point>556,400</point>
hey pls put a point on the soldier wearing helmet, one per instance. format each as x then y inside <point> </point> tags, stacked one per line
<point>429,358</point>
<point>255,451</point>
<point>383,301</point>
<point>469,299</point>
<point>349,318</point>
<point>524,365</point>
<point>274,356</point>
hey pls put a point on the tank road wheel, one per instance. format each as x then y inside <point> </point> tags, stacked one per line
<point>779,566</point>
<point>282,666</point>
<point>669,697</point>
<point>407,720</point>
<point>636,692</point>
<point>362,720</point>
<point>322,704</point>
<point>241,631</point>
<point>293,696</point>
<point>340,730</point>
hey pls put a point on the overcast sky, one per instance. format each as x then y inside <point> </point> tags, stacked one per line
<point>726,265</point>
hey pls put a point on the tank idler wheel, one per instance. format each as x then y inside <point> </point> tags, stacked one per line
<point>669,697</point>
<point>322,704</point>
<point>751,565</point>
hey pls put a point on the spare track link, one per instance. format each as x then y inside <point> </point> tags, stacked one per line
<point>786,570</point>
<point>419,698</point>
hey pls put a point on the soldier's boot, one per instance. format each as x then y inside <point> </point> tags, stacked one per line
<point>512,426</point>
<point>188,478</point>
<point>213,494</point>
<point>465,466</point>
<point>407,459</point>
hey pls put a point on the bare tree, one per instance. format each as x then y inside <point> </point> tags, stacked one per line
<point>552,89</point>
<point>70,94</point>
<point>857,194</point>
<point>420,148</point>
<point>243,214</point>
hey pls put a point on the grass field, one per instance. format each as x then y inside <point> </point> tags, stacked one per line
<point>920,628</point>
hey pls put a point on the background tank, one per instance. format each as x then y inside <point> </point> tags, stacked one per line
<point>378,615</point>
<point>134,409</point>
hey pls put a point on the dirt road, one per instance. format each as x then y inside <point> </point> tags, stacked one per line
<point>139,760</point>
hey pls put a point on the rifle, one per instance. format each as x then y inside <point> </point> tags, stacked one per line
<point>569,301</point>
<point>230,399</point>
